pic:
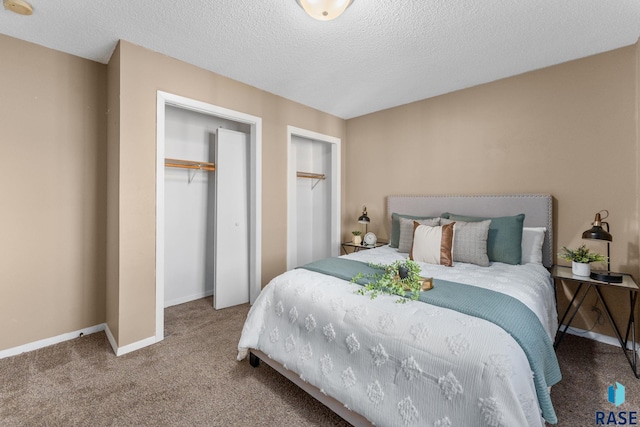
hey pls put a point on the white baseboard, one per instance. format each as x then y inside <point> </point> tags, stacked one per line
<point>605,339</point>
<point>188,298</point>
<point>51,341</point>
<point>119,351</point>
<point>112,340</point>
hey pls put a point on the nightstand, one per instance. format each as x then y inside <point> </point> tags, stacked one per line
<point>564,274</point>
<point>356,248</point>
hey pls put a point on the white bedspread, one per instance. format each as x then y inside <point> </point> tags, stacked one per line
<point>530,283</point>
<point>404,364</point>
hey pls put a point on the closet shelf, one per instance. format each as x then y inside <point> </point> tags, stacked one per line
<point>189,164</point>
<point>318,176</point>
<point>311,175</point>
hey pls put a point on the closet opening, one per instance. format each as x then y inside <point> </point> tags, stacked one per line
<point>208,234</point>
<point>313,223</point>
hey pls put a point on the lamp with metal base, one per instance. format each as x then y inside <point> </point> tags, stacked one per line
<point>364,219</point>
<point>596,232</point>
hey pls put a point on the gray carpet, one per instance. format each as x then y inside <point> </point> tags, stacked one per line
<point>588,369</point>
<point>193,379</point>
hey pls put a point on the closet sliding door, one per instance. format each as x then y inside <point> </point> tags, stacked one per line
<point>231,283</point>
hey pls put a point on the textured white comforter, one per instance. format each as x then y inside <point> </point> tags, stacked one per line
<point>404,364</point>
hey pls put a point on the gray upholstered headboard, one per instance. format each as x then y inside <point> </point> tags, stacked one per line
<point>538,210</point>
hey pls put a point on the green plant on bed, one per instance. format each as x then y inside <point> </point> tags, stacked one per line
<point>400,278</point>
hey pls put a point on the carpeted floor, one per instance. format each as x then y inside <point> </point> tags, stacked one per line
<point>193,379</point>
<point>588,369</point>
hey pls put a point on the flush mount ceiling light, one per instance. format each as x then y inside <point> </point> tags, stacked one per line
<point>324,10</point>
<point>18,6</point>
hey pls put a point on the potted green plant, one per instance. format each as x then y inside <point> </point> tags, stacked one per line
<point>580,258</point>
<point>357,238</point>
<point>400,278</point>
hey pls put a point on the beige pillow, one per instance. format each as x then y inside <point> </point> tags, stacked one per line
<point>406,231</point>
<point>433,245</point>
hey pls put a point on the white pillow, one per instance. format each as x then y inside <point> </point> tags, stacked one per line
<point>532,239</point>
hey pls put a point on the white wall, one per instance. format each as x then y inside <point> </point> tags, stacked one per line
<point>313,200</point>
<point>189,205</point>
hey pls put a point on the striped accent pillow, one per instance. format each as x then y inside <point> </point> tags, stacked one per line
<point>407,229</point>
<point>433,245</point>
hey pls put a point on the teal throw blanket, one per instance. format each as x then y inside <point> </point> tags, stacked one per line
<point>343,268</point>
<point>505,311</point>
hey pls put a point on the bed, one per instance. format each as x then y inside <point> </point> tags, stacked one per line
<point>440,362</point>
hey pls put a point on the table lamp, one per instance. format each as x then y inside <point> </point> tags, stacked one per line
<point>364,219</point>
<point>596,232</point>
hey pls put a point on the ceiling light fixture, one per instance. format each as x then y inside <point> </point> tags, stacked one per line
<point>20,7</point>
<point>324,10</point>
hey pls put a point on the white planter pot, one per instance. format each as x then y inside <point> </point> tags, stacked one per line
<point>357,240</point>
<point>580,268</point>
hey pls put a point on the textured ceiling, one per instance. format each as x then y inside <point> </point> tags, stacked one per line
<point>379,54</point>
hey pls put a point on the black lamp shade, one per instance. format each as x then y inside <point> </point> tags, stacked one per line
<point>364,219</point>
<point>597,232</point>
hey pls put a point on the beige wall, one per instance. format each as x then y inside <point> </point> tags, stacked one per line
<point>539,132</point>
<point>52,182</point>
<point>568,130</point>
<point>142,74</point>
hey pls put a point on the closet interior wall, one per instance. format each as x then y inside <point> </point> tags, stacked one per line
<point>190,204</point>
<point>313,199</point>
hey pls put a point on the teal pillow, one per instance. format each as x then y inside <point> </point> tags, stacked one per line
<point>394,240</point>
<point>504,243</point>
